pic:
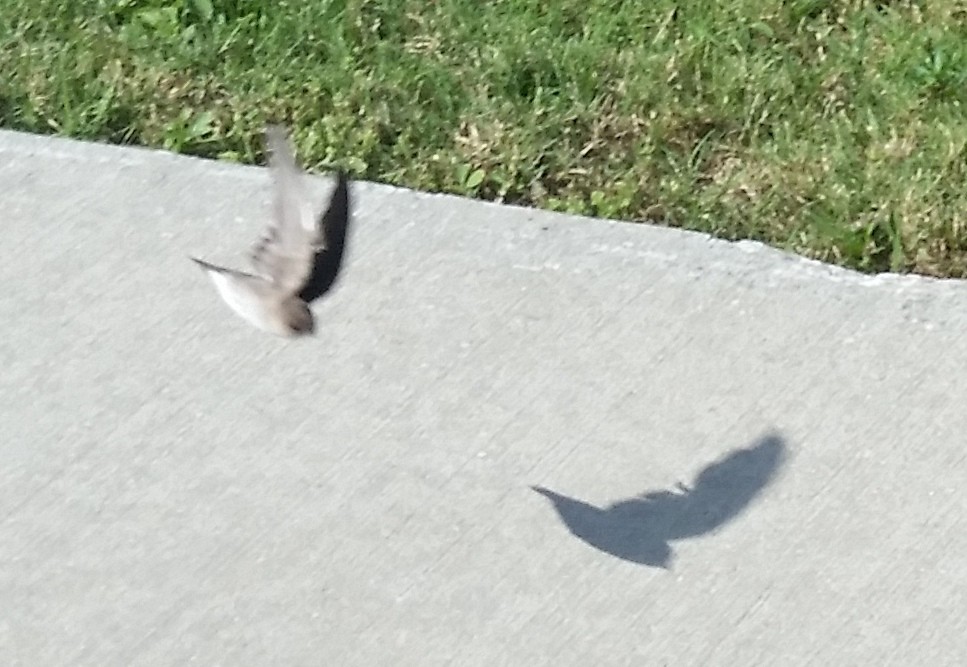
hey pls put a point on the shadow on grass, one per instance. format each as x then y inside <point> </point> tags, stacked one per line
<point>639,529</point>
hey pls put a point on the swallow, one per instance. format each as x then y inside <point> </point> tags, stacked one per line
<point>296,260</point>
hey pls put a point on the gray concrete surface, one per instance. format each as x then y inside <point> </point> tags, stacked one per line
<point>741,457</point>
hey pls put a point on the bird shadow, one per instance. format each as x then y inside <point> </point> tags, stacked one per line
<point>639,529</point>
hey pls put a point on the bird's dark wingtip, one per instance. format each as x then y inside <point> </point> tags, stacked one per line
<point>342,184</point>
<point>336,216</point>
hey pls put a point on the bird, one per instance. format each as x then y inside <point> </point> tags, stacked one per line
<point>297,259</point>
<point>640,529</point>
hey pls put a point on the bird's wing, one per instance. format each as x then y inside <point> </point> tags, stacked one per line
<point>328,260</point>
<point>249,296</point>
<point>284,254</point>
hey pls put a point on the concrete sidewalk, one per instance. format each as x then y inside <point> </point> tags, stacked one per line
<point>740,457</point>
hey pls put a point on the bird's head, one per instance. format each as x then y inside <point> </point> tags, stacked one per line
<point>298,317</point>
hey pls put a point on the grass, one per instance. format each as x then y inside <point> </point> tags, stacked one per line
<point>837,130</point>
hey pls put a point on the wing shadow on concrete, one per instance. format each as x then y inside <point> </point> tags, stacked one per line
<point>639,529</point>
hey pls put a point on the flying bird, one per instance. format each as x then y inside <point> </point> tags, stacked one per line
<point>297,259</point>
